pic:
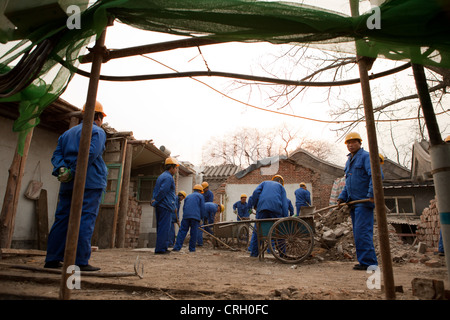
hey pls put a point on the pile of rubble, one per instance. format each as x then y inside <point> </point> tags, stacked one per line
<point>334,240</point>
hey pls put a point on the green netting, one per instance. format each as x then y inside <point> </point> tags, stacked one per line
<point>415,30</point>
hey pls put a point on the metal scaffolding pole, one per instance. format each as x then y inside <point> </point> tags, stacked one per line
<point>440,159</point>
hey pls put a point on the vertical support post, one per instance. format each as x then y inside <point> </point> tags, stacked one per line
<point>82,163</point>
<point>440,159</point>
<point>124,194</point>
<point>380,209</point>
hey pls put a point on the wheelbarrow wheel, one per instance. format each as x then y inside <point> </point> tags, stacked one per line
<point>290,240</point>
<point>243,235</point>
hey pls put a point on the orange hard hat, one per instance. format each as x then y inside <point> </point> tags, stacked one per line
<point>98,108</point>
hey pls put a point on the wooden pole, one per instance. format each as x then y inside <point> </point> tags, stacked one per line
<point>12,193</point>
<point>123,209</point>
<point>364,64</point>
<point>82,163</point>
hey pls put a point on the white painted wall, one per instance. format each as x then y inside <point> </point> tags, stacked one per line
<point>42,146</point>
<point>233,194</point>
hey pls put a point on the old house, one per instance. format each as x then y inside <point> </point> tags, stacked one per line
<point>301,166</point>
<point>125,218</point>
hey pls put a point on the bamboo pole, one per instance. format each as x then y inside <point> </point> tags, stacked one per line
<point>82,163</point>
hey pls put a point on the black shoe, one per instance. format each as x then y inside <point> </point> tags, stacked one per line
<point>88,267</point>
<point>53,264</point>
<point>360,267</point>
<point>163,252</point>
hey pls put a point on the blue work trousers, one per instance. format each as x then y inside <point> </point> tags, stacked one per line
<point>56,242</point>
<point>253,247</point>
<point>163,222</point>
<point>187,224</point>
<point>362,222</point>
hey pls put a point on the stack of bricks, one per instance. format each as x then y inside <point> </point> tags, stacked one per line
<point>133,223</point>
<point>429,227</point>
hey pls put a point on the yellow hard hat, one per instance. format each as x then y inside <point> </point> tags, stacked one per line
<point>98,108</point>
<point>222,207</point>
<point>381,159</point>
<point>352,136</point>
<point>279,177</point>
<point>302,184</point>
<point>447,139</point>
<point>198,187</point>
<point>171,161</point>
<point>243,195</point>
<point>182,193</point>
<point>205,184</point>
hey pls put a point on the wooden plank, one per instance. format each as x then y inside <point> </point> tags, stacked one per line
<point>26,252</point>
<point>42,219</point>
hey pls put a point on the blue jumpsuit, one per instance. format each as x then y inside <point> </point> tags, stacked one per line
<point>65,155</point>
<point>302,199</point>
<point>210,211</point>
<point>193,211</point>
<point>175,218</point>
<point>358,185</point>
<point>209,196</point>
<point>165,204</point>
<point>242,209</point>
<point>270,201</point>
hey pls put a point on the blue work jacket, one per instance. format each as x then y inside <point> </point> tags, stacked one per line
<point>270,196</point>
<point>302,198</point>
<point>358,177</point>
<point>164,192</point>
<point>209,196</point>
<point>210,211</point>
<point>242,209</point>
<point>194,206</point>
<point>66,154</point>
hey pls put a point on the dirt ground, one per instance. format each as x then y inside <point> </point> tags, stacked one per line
<point>217,274</point>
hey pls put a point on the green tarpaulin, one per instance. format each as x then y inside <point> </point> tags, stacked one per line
<point>414,30</point>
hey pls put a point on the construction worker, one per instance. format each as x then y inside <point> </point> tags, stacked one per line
<point>241,208</point>
<point>176,218</point>
<point>211,209</point>
<point>64,162</point>
<point>165,203</point>
<point>302,197</point>
<point>208,194</point>
<point>358,186</point>
<point>270,201</point>
<point>290,208</point>
<point>193,211</point>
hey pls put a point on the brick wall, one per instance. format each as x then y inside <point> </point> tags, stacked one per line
<point>133,223</point>
<point>292,173</point>
<point>429,227</point>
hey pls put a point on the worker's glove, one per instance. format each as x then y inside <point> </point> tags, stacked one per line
<point>65,174</point>
<point>235,211</point>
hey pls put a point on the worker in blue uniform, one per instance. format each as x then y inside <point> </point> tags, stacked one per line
<point>211,209</point>
<point>64,161</point>
<point>241,208</point>
<point>208,194</point>
<point>193,211</point>
<point>270,201</point>
<point>176,218</point>
<point>302,197</point>
<point>165,203</point>
<point>358,186</point>
<point>290,207</point>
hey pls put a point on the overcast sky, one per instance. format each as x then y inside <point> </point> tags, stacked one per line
<point>184,114</point>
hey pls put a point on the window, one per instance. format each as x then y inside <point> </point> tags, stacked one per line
<point>145,188</point>
<point>400,205</point>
